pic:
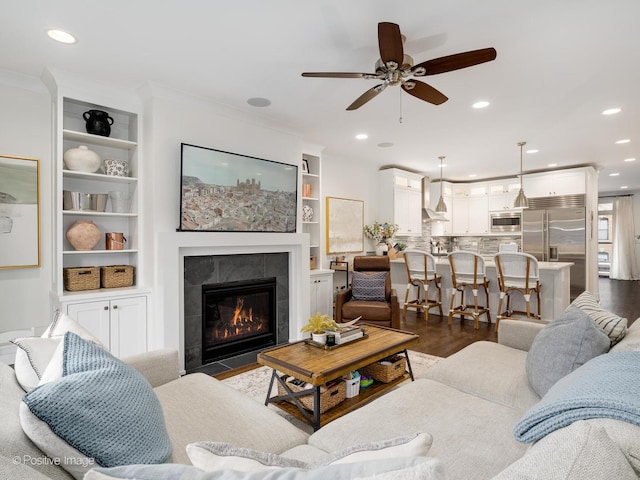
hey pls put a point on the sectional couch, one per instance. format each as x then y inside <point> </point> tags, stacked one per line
<point>464,412</point>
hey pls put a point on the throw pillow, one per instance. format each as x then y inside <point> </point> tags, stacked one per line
<point>369,287</point>
<point>212,456</point>
<point>576,452</point>
<point>412,468</point>
<point>34,353</point>
<point>613,325</point>
<point>101,407</point>
<point>32,357</point>
<point>562,346</point>
<point>62,324</point>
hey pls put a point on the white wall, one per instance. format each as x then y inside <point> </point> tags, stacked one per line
<point>25,131</point>
<point>173,118</point>
<point>355,180</point>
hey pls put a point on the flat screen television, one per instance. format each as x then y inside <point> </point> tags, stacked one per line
<point>230,192</point>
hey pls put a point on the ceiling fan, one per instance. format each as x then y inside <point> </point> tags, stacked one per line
<point>394,67</point>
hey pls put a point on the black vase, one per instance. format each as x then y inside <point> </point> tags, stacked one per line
<point>98,122</point>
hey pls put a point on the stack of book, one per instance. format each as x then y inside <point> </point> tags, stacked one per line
<point>348,334</point>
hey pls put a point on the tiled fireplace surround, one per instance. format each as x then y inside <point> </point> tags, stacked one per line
<point>254,252</point>
<point>217,269</point>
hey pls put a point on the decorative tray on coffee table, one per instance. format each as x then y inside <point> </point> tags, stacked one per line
<point>332,347</point>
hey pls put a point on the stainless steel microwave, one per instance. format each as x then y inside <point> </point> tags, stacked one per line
<point>502,222</point>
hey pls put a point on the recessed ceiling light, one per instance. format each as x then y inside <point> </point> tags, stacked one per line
<point>259,102</point>
<point>629,159</point>
<point>472,175</point>
<point>362,136</point>
<point>533,150</point>
<point>61,36</point>
<point>481,104</point>
<point>385,144</point>
<point>623,187</point>
<point>616,174</point>
<point>624,140</point>
<point>611,111</point>
<point>552,165</point>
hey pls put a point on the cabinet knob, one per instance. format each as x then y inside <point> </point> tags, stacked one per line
<point>106,308</point>
<point>115,307</point>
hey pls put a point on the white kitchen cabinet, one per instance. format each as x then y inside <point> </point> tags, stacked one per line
<point>567,182</point>
<point>401,194</point>
<point>119,323</point>
<point>470,212</point>
<point>321,292</point>
<point>502,194</point>
<point>470,216</point>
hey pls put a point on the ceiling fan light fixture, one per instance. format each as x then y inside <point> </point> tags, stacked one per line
<point>441,207</point>
<point>521,200</point>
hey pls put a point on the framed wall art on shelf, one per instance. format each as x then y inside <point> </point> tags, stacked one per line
<point>345,224</point>
<point>19,212</point>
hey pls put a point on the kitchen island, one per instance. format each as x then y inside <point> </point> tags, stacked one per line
<point>554,281</point>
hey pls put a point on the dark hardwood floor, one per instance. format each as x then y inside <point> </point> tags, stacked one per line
<point>438,338</point>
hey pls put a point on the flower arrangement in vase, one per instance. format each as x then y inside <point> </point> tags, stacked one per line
<point>381,232</point>
<point>318,325</point>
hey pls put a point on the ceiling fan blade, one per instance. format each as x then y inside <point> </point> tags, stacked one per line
<point>337,74</point>
<point>390,43</point>
<point>454,62</point>
<point>366,96</point>
<point>425,92</point>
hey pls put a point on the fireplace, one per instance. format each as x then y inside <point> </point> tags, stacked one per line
<point>238,317</point>
<point>222,272</point>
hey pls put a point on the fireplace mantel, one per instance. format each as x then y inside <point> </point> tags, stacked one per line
<point>172,247</point>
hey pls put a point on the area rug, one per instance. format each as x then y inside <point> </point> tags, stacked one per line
<point>255,383</point>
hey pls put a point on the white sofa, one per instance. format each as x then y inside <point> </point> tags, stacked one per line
<point>468,402</point>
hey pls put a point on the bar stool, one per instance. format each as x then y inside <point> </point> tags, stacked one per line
<point>517,272</point>
<point>421,271</point>
<point>468,271</point>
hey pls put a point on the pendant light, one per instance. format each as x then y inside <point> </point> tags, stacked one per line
<point>441,207</point>
<point>521,200</point>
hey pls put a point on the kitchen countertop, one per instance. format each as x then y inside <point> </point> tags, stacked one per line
<point>442,260</point>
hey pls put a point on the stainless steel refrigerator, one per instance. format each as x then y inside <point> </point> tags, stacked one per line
<point>553,230</point>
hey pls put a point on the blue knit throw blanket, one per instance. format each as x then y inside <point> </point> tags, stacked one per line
<point>607,386</point>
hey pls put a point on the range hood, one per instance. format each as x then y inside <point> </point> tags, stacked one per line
<point>428,214</point>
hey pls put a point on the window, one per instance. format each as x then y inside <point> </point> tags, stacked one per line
<point>604,228</point>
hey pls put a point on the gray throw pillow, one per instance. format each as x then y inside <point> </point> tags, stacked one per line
<point>562,346</point>
<point>369,287</point>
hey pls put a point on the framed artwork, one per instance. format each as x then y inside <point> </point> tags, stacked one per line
<point>345,224</point>
<point>19,212</point>
<point>305,166</point>
<point>229,192</point>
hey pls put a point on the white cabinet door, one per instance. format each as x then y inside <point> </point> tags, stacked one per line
<point>321,295</point>
<point>119,323</point>
<point>460,215</point>
<point>407,211</point>
<point>94,316</point>
<point>478,214</point>
<point>128,326</point>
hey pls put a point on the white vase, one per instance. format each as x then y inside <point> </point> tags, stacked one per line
<point>81,159</point>
<point>319,337</point>
<point>381,248</point>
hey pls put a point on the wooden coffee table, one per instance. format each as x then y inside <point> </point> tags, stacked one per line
<point>317,366</point>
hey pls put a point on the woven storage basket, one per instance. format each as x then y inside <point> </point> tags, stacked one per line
<point>116,276</point>
<point>329,397</point>
<point>81,278</point>
<point>386,373</point>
